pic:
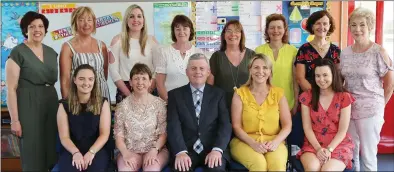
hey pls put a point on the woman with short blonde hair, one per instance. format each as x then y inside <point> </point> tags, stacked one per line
<point>83,49</point>
<point>371,84</point>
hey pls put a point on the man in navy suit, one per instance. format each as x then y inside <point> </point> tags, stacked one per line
<point>198,127</point>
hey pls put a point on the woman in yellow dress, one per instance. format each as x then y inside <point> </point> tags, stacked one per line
<point>282,55</point>
<point>261,120</point>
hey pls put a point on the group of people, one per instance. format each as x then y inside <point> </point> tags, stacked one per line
<point>238,104</point>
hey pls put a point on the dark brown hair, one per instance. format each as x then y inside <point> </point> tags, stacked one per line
<point>30,17</point>
<point>185,22</point>
<point>140,68</point>
<point>95,101</point>
<point>315,17</point>
<point>237,25</point>
<point>275,17</point>
<point>337,84</point>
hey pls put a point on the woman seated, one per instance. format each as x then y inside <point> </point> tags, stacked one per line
<point>84,123</point>
<point>261,120</point>
<point>325,119</point>
<point>140,125</point>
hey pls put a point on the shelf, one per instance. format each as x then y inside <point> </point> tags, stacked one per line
<point>11,164</point>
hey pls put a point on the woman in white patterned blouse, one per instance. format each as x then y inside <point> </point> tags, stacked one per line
<point>170,62</point>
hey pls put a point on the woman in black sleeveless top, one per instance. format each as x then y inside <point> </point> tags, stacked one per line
<point>84,123</point>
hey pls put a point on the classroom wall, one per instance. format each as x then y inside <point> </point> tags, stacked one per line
<point>251,14</point>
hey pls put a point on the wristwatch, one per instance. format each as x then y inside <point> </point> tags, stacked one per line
<point>92,151</point>
<point>330,149</point>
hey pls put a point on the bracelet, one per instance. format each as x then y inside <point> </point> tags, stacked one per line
<point>92,151</point>
<point>75,152</point>
<point>13,122</point>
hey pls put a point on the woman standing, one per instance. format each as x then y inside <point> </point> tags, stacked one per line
<point>229,65</point>
<point>131,46</point>
<point>31,72</point>
<point>83,49</point>
<point>140,126</point>
<point>282,55</point>
<point>84,122</point>
<point>368,73</point>
<point>320,24</point>
<point>171,61</point>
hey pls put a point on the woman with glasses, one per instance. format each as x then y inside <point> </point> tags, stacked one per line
<point>229,65</point>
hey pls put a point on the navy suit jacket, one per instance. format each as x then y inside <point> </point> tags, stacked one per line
<point>214,128</point>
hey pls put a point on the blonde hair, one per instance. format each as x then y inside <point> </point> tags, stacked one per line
<point>77,13</point>
<point>361,12</point>
<point>95,101</point>
<point>267,62</point>
<point>124,36</point>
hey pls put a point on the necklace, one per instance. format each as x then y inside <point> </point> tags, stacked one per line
<point>235,80</point>
<point>319,48</point>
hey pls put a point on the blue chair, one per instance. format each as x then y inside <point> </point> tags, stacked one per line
<point>235,166</point>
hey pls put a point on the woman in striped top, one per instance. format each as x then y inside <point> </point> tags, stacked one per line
<point>83,49</point>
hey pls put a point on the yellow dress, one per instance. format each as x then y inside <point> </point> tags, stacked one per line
<point>282,68</point>
<point>262,124</point>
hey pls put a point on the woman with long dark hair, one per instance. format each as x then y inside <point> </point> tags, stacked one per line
<point>325,119</point>
<point>84,123</point>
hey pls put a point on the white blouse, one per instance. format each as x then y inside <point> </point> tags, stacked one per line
<point>169,61</point>
<point>121,67</point>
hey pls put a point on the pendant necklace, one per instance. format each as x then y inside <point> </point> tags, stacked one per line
<point>235,80</point>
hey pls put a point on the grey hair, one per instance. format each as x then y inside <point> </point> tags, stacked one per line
<point>198,56</point>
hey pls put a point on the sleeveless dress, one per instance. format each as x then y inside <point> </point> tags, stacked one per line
<point>260,122</point>
<point>96,60</point>
<point>84,130</point>
<point>325,124</point>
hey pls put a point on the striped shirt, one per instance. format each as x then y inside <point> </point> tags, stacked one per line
<point>96,60</point>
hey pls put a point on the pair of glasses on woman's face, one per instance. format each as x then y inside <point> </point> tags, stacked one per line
<point>229,31</point>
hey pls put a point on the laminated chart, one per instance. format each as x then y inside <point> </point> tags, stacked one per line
<point>297,13</point>
<point>57,8</point>
<point>163,15</point>
<point>100,22</point>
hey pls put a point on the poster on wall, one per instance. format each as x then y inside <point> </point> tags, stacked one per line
<point>213,16</point>
<point>250,17</point>
<point>297,13</point>
<point>268,8</point>
<point>163,15</point>
<point>11,36</point>
<point>207,34</point>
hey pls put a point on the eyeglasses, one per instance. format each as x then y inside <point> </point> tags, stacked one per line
<point>233,31</point>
